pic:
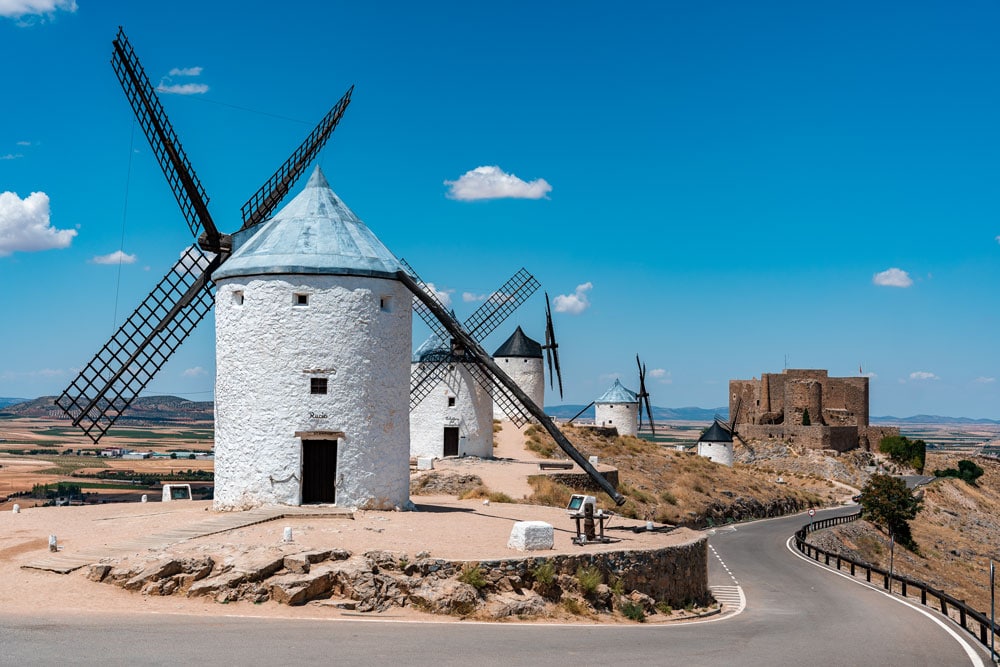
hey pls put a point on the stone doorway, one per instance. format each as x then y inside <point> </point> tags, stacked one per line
<point>451,441</point>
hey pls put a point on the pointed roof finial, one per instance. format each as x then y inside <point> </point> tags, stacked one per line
<point>317,179</point>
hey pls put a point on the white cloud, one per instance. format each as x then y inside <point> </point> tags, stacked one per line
<point>182,88</point>
<point>663,375</point>
<point>41,373</point>
<point>18,9</point>
<point>998,238</point>
<point>491,182</point>
<point>116,257</point>
<point>575,303</point>
<point>923,375</point>
<point>24,225</point>
<point>193,260</point>
<point>985,380</point>
<point>11,156</point>
<point>167,84</point>
<point>870,375</point>
<point>197,371</point>
<point>469,297</point>
<point>443,295</point>
<point>892,278</point>
<point>185,71</point>
<point>24,143</point>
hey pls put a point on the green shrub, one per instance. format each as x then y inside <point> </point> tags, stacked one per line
<point>574,606</point>
<point>904,451</point>
<point>664,608</point>
<point>668,497</point>
<point>545,573</point>
<point>633,611</point>
<point>967,471</point>
<point>474,576</point>
<point>589,578</point>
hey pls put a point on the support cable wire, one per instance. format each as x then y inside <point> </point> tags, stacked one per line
<point>121,244</point>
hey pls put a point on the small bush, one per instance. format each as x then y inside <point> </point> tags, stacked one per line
<point>588,578</point>
<point>574,606</point>
<point>474,576</point>
<point>634,611</point>
<point>664,608</point>
<point>545,573</point>
<point>668,498</point>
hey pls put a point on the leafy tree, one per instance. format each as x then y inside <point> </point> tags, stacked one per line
<point>886,502</point>
<point>967,471</point>
<point>904,451</point>
<point>805,418</point>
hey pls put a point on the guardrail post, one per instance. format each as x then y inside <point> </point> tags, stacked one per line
<point>838,561</point>
<point>923,596</point>
<point>903,584</point>
<point>827,554</point>
<point>852,568</point>
<point>868,574</point>
<point>944,606</point>
<point>961,615</point>
<point>885,581</point>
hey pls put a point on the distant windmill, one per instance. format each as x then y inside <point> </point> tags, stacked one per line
<point>643,396</point>
<point>716,443</point>
<point>551,348</point>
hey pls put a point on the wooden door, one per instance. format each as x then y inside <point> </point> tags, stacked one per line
<point>451,441</point>
<point>319,471</point>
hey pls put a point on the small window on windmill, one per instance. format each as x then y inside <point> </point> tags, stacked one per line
<point>300,299</point>
<point>451,401</point>
<point>238,297</point>
<point>317,385</point>
<point>385,304</point>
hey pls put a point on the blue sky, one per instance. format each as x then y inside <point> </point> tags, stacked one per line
<point>729,181</point>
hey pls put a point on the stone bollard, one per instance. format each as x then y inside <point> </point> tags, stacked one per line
<point>53,545</point>
<point>288,534</point>
<point>144,499</point>
<point>17,509</point>
<point>649,525</point>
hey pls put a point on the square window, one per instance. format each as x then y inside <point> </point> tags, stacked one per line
<point>238,297</point>
<point>451,401</point>
<point>300,299</point>
<point>317,385</point>
<point>385,304</point>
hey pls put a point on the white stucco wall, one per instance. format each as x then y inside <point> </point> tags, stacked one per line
<point>719,452</point>
<point>472,414</point>
<point>268,349</point>
<point>529,374</point>
<point>623,416</point>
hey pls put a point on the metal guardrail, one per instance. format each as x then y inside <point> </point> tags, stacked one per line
<point>947,604</point>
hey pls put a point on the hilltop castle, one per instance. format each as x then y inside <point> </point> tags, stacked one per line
<point>808,408</point>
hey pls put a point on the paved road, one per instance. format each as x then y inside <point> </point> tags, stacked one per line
<point>796,614</point>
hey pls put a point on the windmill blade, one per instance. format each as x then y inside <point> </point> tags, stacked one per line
<point>508,403</point>
<point>735,415</point>
<point>580,412</point>
<point>501,304</point>
<point>142,345</point>
<point>555,355</point>
<point>163,141</point>
<point>421,309</point>
<point>260,206</point>
<point>551,347</point>
<point>496,373</point>
<point>426,377</point>
<point>649,412</point>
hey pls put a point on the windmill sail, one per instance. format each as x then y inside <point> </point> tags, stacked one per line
<point>551,348</point>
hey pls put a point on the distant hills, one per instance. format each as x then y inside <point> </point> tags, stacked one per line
<point>152,409</point>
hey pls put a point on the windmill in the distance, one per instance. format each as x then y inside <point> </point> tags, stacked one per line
<point>716,443</point>
<point>621,408</point>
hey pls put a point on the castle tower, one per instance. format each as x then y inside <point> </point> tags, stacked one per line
<point>521,359</point>
<point>716,444</point>
<point>313,337</point>
<point>455,418</point>
<point>618,407</point>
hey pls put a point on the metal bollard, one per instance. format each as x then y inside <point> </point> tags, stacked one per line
<point>288,534</point>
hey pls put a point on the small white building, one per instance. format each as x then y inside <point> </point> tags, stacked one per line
<point>313,339</point>
<point>521,358</point>
<point>618,408</point>
<point>455,417</point>
<point>716,444</point>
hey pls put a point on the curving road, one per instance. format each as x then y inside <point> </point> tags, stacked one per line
<point>796,613</point>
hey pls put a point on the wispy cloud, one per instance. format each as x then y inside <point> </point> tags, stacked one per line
<point>574,303</point>
<point>167,84</point>
<point>197,371</point>
<point>27,12</point>
<point>998,238</point>
<point>892,278</point>
<point>11,156</point>
<point>116,257</point>
<point>491,182</point>
<point>923,375</point>
<point>40,373</point>
<point>443,295</point>
<point>25,227</point>
<point>192,261</point>
<point>870,375</point>
<point>24,143</point>
<point>662,374</point>
<point>469,297</point>
<point>985,380</point>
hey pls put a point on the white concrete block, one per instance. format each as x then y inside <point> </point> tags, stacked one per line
<point>425,463</point>
<point>531,536</point>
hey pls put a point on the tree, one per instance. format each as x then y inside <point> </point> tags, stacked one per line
<point>967,471</point>
<point>902,450</point>
<point>886,502</point>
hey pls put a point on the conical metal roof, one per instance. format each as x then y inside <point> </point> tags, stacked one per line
<point>716,433</point>
<point>433,346</point>
<point>315,233</point>
<point>618,394</point>
<point>519,345</point>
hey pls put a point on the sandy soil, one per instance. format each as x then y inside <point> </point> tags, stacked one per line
<point>443,526</point>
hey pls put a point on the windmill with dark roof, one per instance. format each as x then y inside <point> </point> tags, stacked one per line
<point>716,443</point>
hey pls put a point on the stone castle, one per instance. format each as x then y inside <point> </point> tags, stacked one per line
<point>808,408</point>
